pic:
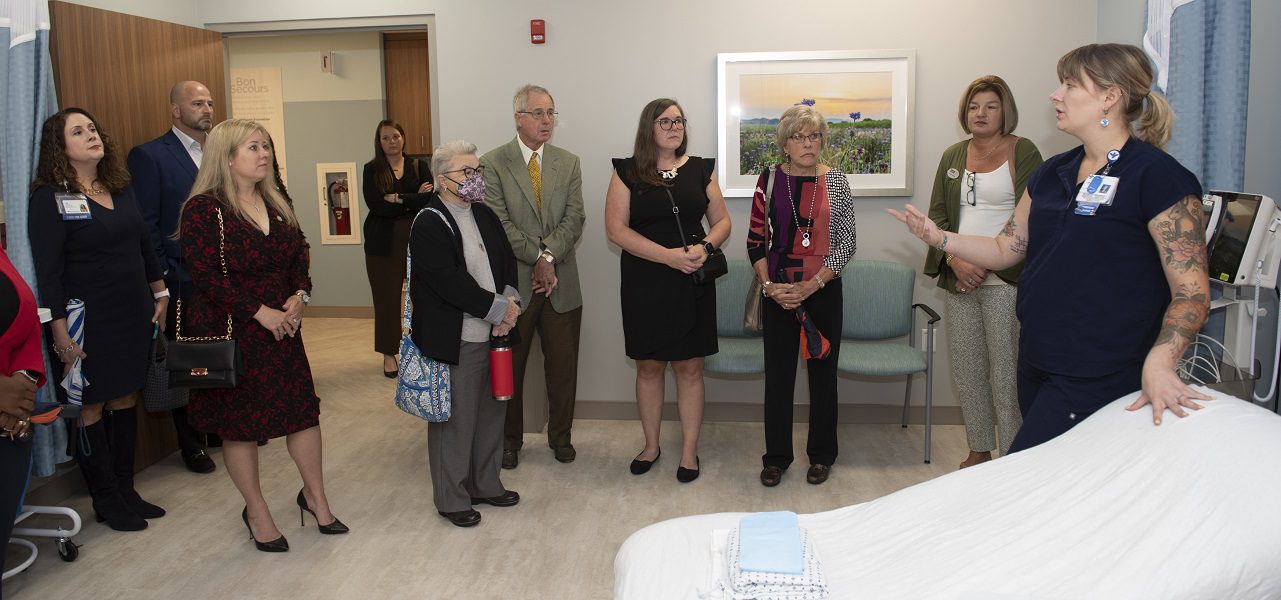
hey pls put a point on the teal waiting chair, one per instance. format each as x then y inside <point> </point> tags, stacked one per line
<point>742,352</point>
<point>879,313</point>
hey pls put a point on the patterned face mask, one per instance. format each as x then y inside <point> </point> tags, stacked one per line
<point>472,189</point>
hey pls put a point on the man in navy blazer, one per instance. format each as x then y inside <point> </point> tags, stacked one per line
<point>163,172</point>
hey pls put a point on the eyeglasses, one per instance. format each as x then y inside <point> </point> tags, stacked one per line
<point>468,172</point>
<point>667,124</point>
<point>971,196</point>
<point>540,114</point>
<point>800,137</point>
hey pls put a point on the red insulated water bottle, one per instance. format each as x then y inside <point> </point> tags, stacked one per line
<point>500,367</point>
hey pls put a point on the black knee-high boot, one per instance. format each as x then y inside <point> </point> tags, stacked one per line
<point>122,429</point>
<point>93,453</point>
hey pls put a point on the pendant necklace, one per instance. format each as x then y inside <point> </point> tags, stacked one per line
<point>805,235</point>
<point>669,174</point>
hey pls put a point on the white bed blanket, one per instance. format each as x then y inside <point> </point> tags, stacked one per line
<point>1115,508</point>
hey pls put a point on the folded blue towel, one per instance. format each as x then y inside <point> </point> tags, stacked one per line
<point>770,543</point>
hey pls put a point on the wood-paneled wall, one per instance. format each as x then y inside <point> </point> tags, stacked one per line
<point>120,68</point>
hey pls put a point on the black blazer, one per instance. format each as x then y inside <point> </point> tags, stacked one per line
<point>440,286</point>
<point>162,175</point>
<point>383,214</point>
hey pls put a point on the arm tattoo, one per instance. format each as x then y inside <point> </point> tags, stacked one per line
<point>1018,243</point>
<point>1180,235</point>
<point>1184,317</point>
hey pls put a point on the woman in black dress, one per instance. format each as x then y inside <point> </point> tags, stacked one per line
<point>89,244</point>
<point>238,215</point>
<point>396,187</point>
<point>666,317</point>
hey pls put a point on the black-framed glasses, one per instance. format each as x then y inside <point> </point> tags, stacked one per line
<point>971,196</point>
<point>667,124</point>
<point>801,137</point>
<point>540,114</point>
<point>468,172</point>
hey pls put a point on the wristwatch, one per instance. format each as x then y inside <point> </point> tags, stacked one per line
<point>304,296</point>
<point>547,256</point>
<point>708,247</point>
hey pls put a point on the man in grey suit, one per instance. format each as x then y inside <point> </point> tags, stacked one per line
<point>537,191</point>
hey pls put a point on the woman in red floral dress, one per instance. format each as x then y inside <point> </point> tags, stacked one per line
<point>249,260</point>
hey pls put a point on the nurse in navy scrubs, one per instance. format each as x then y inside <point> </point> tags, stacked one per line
<point>1115,286</point>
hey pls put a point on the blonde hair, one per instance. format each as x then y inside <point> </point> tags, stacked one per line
<point>797,118</point>
<point>996,85</point>
<point>1125,67</point>
<point>215,177</point>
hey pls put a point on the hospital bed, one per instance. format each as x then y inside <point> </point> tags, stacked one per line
<point>1115,508</point>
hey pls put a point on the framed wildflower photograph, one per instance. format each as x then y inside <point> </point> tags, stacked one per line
<point>865,96</point>
<point>339,203</point>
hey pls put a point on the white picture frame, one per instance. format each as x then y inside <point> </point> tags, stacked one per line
<point>869,97</point>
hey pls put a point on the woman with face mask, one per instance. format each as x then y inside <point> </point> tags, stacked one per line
<point>462,283</point>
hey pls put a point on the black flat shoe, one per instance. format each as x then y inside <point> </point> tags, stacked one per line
<point>641,467</point>
<point>462,518</point>
<point>279,544</point>
<point>198,461</point>
<point>770,476</point>
<point>334,528</point>
<point>818,474</point>
<point>507,498</point>
<point>684,475</point>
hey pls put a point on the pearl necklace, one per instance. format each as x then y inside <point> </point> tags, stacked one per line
<point>805,235</point>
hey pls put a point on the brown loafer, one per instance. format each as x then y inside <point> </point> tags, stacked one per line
<point>565,454</point>
<point>818,474</point>
<point>770,476</point>
<point>462,518</point>
<point>511,458</point>
<point>507,498</point>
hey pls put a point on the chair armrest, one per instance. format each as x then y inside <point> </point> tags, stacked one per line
<point>934,317</point>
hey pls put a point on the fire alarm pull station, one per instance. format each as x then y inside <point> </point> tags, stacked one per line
<point>537,31</point>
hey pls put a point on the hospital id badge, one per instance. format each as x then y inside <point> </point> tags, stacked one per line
<point>72,207</point>
<point>1097,189</point>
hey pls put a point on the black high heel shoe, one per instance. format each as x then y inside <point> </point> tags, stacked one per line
<point>334,528</point>
<point>279,544</point>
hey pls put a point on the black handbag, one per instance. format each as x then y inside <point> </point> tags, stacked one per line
<point>205,362</point>
<point>156,394</point>
<point>715,265</point>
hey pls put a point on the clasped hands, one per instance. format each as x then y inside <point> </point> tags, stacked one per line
<point>687,259</point>
<point>544,277</point>
<point>791,295</point>
<point>17,400</point>
<point>282,323</point>
<point>509,318</point>
<point>396,199</point>
<point>969,276</point>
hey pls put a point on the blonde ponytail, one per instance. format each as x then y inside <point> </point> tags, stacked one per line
<point>1156,122</point>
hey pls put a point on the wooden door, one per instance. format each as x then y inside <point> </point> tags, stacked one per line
<point>120,68</point>
<point>408,82</point>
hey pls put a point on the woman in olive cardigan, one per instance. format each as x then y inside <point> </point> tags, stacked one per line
<point>978,183</point>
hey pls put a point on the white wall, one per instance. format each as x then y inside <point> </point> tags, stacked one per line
<point>604,61</point>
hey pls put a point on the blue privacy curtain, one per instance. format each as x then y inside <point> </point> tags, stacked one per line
<point>26,100</point>
<point>1202,52</point>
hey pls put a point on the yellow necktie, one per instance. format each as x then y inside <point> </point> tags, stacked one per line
<point>536,176</point>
